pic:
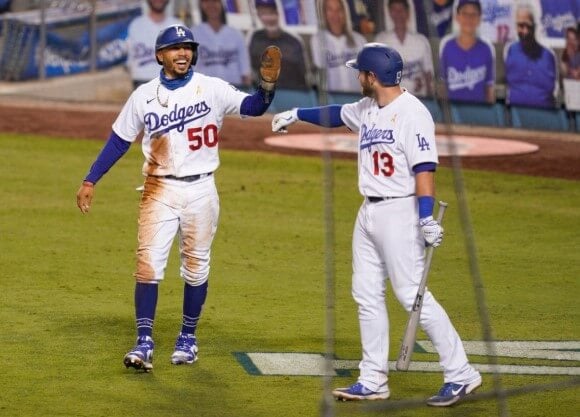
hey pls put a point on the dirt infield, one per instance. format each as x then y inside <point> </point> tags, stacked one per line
<point>558,156</point>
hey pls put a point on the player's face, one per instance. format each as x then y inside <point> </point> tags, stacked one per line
<point>468,18</point>
<point>335,16</point>
<point>176,59</point>
<point>269,18</point>
<point>400,15</point>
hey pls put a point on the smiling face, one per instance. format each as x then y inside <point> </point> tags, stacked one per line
<point>176,59</point>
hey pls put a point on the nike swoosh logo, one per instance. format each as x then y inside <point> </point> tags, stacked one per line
<point>286,118</point>
<point>150,100</point>
<point>456,392</point>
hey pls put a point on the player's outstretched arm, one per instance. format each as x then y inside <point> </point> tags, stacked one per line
<point>325,116</point>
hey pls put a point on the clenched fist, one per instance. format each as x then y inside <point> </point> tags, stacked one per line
<point>281,121</point>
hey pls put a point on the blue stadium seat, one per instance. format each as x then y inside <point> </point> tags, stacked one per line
<point>433,108</point>
<point>481,114</point>
<point>287,99</point>
<point>538,118</point>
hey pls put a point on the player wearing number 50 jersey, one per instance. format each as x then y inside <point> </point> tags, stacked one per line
<point>397,158</point>
<point>180,113</point>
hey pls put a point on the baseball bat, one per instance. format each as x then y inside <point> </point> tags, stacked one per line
<point>411,331</point>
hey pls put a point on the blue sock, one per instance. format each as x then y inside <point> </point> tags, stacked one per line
<point>145,304</point>
<point>193,300</point>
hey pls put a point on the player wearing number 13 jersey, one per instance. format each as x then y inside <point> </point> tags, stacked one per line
<point>180,113</point>
<point>397,158</point>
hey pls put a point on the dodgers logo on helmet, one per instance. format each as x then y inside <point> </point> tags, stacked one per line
<point>385,62</point>
<point>173,35</point>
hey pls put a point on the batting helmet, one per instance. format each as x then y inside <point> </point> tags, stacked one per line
<point>378,58</point>
<point>173,35</point>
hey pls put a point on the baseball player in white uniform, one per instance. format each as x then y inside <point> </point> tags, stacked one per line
<point>141,36</point>
<point>397,159</point>
<point>180,113</point>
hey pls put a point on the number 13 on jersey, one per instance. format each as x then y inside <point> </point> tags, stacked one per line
<point>383,164</point>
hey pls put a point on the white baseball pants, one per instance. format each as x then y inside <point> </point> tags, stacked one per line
<point>171,207</point>
<point>387,242</point>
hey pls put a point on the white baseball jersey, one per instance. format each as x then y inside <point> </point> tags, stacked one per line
<point>181,138</point>
<point>330,52</point>
<point>417,59</point>
<point>223,54</point>
<point>142,34</point>
<point>392,140</point>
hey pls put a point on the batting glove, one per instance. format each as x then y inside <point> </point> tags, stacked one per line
<point>281,121</point>
<point>432,231</point>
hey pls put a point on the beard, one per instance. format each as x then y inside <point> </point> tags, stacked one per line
<point>367,91</point>
<point>530,46</point>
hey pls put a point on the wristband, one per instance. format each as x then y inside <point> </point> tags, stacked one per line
<point>426,204</point>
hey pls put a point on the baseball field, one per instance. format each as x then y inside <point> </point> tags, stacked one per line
<point>66,286</point>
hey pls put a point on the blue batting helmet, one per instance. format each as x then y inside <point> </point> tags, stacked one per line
<point>378,58</point>
<point>173,35</point>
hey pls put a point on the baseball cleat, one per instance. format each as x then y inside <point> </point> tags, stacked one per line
<point>141,356</point>
<point>450,393</point>
<point>185,349</point>
<point>359,392</point>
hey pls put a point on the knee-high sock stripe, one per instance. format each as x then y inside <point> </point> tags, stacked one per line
<point>145,305</point>
<point>193,300</point>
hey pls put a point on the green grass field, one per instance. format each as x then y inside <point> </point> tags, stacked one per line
<point>66,287</point>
